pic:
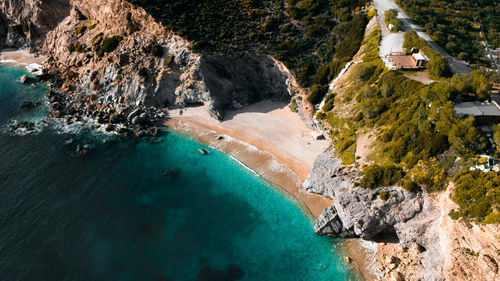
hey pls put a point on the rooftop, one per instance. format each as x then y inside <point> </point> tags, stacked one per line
<point>476,109</point>
<point>403,61</point>
<point>419,56</point>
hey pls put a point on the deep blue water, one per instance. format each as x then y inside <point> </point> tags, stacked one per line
<point>113,215</point>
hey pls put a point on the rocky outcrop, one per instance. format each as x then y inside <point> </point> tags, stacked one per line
<point>360,212</point>
<point>34,18</point>
<point>129,75</point>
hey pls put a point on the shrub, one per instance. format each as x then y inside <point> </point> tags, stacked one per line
<point>96,38</point>
<point>363,72</point>
<point>92,26</point>
<point>80,30</point>
<point>108,45</point>
<point>410,186</point>
<point>317,93</point>
<point>80,48</point>
<point>371,13</point>
<point>293,106</point>
<point>154,49</point>
<point>128,17</point>
<point>477,194</point>
<point>384,195</point>
<point>391,18</point>
<point>328,106</point>
<point>71,47</point>
<point>169,60</point>
<point>429,175</point>
<point>376,176</point>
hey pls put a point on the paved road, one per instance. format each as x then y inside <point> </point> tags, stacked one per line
<point>393,42</point>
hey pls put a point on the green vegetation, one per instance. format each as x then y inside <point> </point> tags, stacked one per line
<point>329,100</point>
<point>169,60</point>
<point>344,128</point>
<point>79,48</point>
<point>376,176</point>
<point>293,105</point>
<point>96,39</point>
<point>313,39</point>
<point>496,137</point>
<point>80,30</point>
<point>437,65</point>
<point>92,26</point>
<point>414,123</point>
<point>456,25</point>
<point>384,195</point>
<point>391,17</point>
<point>317,93</point>
<point>478,195</point>
<point>153,49</point>
<point>108,45</point>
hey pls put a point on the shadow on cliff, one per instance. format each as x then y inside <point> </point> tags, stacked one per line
<point>241,80</point>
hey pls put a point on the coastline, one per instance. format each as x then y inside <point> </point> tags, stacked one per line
<point>256,153</point>
<point>260,149</point>
<point>285,167</point>
<point>33,63</point>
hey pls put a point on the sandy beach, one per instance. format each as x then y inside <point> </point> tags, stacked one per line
<point>266,137</point>
<point>33,63</point>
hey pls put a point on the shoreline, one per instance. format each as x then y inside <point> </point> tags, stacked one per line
<point>278,174</point>
<point>271,162</point>
<point>283,171</point>
<point>13,57</point>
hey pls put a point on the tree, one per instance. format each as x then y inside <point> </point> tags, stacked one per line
<point>464,137</point>
<point>496,137</point>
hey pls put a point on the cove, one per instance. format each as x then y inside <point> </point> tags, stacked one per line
<point>115,214</point>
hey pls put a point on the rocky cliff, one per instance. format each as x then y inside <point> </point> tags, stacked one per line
<point>113,57</point>
<point>445,249</point>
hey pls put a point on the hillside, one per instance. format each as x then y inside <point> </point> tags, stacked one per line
<point>398,145</point>
<point>461,27</point>
<point>305,35</point>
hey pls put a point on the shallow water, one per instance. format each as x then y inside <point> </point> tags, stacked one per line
<point>114,215</point>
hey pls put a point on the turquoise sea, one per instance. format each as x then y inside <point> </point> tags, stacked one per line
<point>113,215</point>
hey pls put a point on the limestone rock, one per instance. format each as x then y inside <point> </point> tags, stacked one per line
<point>359,212</point>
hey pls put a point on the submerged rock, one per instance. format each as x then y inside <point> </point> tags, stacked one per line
<point>30,105</point>
<point>203,151</point>
<point>25,79</point>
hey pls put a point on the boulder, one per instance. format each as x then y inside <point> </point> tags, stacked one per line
<point>359,212</point>
<point>109,127</point>
<point>29,105</point>
<point>25,79</point>
<point>203,151</point>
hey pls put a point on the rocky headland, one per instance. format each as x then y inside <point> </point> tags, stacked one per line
<point>416,237</point>
<point>111,61</point>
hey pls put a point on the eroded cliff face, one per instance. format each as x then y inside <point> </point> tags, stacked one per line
<point>128,76</point>
<point>38,17</point>
<point>443,249</point>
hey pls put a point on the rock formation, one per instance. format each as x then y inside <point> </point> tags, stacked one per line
<point>70,34</point>
<point>434,247</point>
<point>360,212</point>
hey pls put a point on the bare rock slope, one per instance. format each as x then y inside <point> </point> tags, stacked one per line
<point>446,249</point>
<point>99,48</point>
